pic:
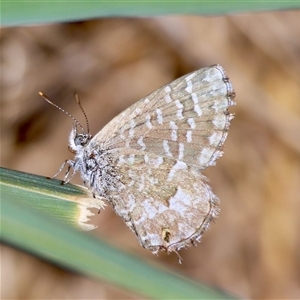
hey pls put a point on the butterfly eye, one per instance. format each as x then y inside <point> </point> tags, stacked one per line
<point>77,140</point>
<point>80,140</point>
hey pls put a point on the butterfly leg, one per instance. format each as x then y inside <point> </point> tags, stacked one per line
<point>179,257</point>
<point>70,165</point>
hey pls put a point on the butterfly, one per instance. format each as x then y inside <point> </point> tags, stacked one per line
<point>147,161</point>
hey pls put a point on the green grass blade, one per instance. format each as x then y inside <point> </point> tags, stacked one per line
<point>44,236</point>
<point>69,203</point>
<point>15,13</point>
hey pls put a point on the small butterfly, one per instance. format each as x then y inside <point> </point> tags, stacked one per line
<point>147,161</point>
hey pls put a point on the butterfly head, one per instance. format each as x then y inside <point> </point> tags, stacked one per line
<point>78,141</point>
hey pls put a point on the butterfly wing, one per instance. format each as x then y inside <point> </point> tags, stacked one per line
<point>167,203</point>
<point>152,153</point>
<point>187,119</point>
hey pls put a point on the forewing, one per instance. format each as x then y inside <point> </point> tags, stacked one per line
<point>187,120</point>
<point>167,203</point>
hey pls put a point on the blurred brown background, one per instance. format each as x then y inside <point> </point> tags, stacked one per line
<point>252,250</point>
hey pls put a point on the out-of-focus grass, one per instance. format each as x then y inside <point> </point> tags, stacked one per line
<point>15,13</point>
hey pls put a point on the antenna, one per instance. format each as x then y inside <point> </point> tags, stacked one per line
<point>81,108</point>
<point>67,113</point>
